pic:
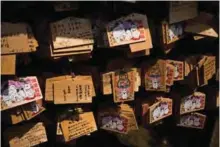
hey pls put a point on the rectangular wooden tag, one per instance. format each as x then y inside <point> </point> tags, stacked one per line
<point>32,109</point>
<point>19,92</point>
<point>182,10</point>
<point>73,129</point>
<point>71,32</point>
<point>107,83</point>
<point>123,85</point>
<point>26,136</point>
<point>209,67</point>
<point>126,30</point>
<point>111,119</point>
<point>160,110</point>
<point>178,69</point>
<point>169,74</point>
<point>192,103</point>
<point>155,77</point>
<point>192,120</point>
<point>49,89</point>
<point>16,115</point>
<point>8,64</point>
<point>69,92</point>
<point>14,38</point>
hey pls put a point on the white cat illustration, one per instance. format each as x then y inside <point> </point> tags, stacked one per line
<point>124,94</point>
<point>155,83</point>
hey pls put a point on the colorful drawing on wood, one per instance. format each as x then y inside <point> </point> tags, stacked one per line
<point>192,103</point>
<point>160,110</point>
<point>123,85</point>
<point>192,120</point>
<point>126,30</point>
<point>19,92</point>
<point>112,120</point>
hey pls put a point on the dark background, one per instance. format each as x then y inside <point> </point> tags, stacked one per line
<point>39,14</point>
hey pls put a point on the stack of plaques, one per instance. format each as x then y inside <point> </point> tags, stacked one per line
<point>71,36</point>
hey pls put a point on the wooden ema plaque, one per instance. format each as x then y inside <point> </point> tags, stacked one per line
<point>120,120</point>
<point>27,135</point>
<point>192,103</point>
<point>126,30</point>
<point>178,69</point>
<point>123,85</point>
<point>73,128</point>
<point>192,120</point>
<point>17,38</point>
<point>20,92</point>
<point>209,67</point>
<point>8,64</point>
<point>69,91</point>
<point>172,32</point>
<point>160,110</point>
<point>71,32</point>
<point>182,10</point>
<point>155,77</point>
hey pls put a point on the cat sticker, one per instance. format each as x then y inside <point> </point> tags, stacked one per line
<point>123,85</point>
<point>192,120</point>
<point>155,78</point>
<point>192,103</point>
<point>19,92</point>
